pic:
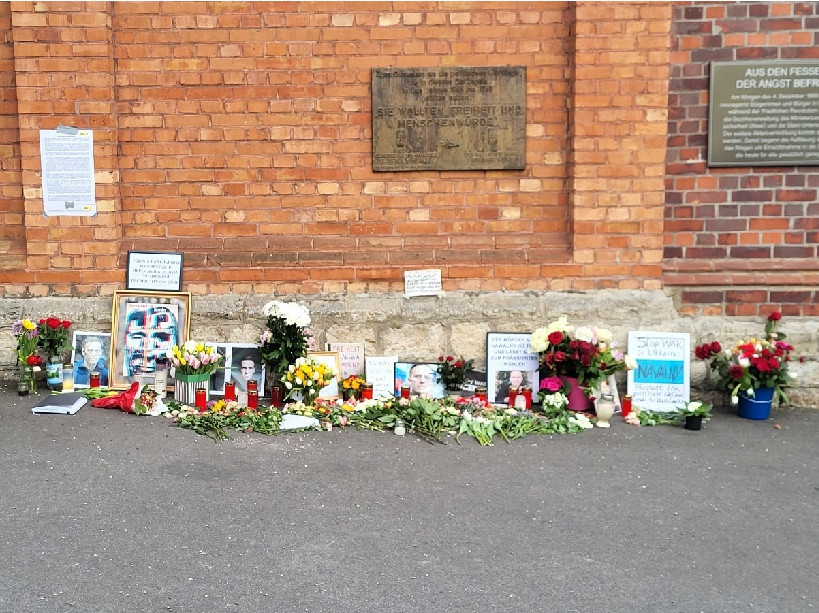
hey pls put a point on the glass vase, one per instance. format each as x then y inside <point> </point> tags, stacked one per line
<point>27,383</point>
<point>54,373</point>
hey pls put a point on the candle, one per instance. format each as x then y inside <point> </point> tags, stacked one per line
<point>405,391</point>
<point>201,398</point>
<point>94,379</point>
<point>252,386</point>
<point>230,390</point>
<point>367,391</point>
<point>527,394</point>
<point>513,395</point>
<point>252,399</point>
<point>480,392</point>
<point>625,406</point>
<point>276,396</point>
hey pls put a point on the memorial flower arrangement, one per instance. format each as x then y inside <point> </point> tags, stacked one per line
<point>193,358</point>
<point>26,332</point>
<point>453,371</point>
<point>352,385</point>
<point>584,353</point>
<point>52,335</point>
<point>751,364</point>
<point>307,375</point>
<point>286,337</point>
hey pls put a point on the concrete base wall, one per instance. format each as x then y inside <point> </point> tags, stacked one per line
<point>456,323</point>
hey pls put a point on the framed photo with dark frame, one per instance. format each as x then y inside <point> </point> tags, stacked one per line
<point>422,377</point>
<point>242,363</point>
<point>89,353</point>
<point>510,363</point>
<point>154,271</point>
<point>144,325</point>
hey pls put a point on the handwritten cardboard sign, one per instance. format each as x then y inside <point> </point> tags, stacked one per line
<point>662,379</point>
<point>381,373</point>
<point>422,283</point>
<point>351,356</point>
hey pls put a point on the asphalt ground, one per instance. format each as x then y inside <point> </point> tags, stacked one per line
<point>103,511</point>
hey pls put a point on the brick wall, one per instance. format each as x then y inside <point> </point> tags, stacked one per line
<point>739,241</point>
<point>12,236</point>
<point>240,134</point>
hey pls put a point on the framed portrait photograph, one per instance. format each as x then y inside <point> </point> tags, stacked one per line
<point>510,364</point>
<point>422,377</point>
<point>331,359</point>
<point>242,363</point>
<point>89,353</point>
<point>144,326</point>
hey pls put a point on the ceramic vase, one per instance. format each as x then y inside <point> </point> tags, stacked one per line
<point>578,400</point>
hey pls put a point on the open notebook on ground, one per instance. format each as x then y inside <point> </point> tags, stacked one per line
<point>68,403</point>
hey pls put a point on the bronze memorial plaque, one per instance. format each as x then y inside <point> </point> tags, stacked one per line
<point>449,118</point>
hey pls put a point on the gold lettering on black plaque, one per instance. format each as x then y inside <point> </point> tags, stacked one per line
<point>449,118</point>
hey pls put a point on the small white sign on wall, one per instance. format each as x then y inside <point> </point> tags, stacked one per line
<point>422,282</point>
<point>154,270</point>
<point>662,379</point>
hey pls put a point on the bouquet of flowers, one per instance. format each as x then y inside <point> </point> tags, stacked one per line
<point>286,338</point>
<point>452,371</point>
<point>194,358</point>
<point>52,336</point>
<point>751,364</point>
<point>307,375</point>
<point>584,353</point>
<point>26,332</point>
<point>352,385</point>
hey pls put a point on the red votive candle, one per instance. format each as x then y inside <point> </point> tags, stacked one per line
<point>367,391</point>
<point>252,386</point>
<point>201,398</point>
<point>405,391</point>
<point>513,394</point>
<point>230,390</point>
<point>480,393</point>
<point>94,379</point>
<point>625,406</point>
<point>252,399</point>
<point>527,393</point>
<point>276,399</point>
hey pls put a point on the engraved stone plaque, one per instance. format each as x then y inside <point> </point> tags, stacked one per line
<point>449,118</point>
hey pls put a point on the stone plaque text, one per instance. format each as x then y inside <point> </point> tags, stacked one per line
<point>764,113</point>
<point>449,118</point>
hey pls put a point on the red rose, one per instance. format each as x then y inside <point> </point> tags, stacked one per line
<point>559,356</point>
<point>715,347</point>
<point>53,323</point>
<point>66,323</point>
<point>449,358</point>
<point>440,358</point>
<point>33,360</point>
<point>703,352</point>
<point>775,316</point>
<point>774,363</point>
<point>585,360</point>
<point>458,364</point>
<point>556,337</point>
<point>42,321</point>
<point>735,372</point>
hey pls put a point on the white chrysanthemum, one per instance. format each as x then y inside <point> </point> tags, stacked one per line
<point>631,363</point>
<point>539,340</point>
<point>584,333</point>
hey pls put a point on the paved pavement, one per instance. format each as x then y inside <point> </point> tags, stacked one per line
<point>103,511</point>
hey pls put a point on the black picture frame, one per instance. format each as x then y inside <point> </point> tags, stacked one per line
<point>154,271</point>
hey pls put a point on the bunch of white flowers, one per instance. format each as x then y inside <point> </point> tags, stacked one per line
<point>290,312</point>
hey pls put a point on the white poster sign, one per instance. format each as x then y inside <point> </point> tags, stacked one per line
<point>154,270</point>
<point>67,162</point>
<point>510,364</point>
<point>351,356</point>
<point>381,373</point>
<point>422,283</point>
<point>661,381</point>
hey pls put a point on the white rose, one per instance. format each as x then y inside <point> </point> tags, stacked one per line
<point>584,333</point>
<point>561,325</point>
<point>540,340</point>
<point>603,335</point>
<point>744,362</point>
<point>631,363</point>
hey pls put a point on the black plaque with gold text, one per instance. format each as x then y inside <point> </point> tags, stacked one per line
<point>449,118</point>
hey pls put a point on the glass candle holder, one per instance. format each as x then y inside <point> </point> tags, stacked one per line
<point>276,398</point>
<point>400,429</point>
<point>230,391</point>
<point>68,378</point>
<point>405,391</point>
<point>94,379</point>
<point>201,399</point>
<point>367,391</point>
<point>252,386</point>
<point>252,399</point>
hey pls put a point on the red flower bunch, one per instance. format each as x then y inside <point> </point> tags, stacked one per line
<point>53,335</point>
<point>453,371</point>
<point>753,363</point>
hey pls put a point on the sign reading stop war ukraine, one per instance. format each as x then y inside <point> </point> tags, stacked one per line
<point>661,381</point>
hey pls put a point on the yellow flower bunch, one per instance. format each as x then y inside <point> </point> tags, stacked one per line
<point>353,382</point>
<point>307,375</point>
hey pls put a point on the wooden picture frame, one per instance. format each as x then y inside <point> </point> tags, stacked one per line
<point>331,391</point>
<point>78,359</point>
<point>144,325</point>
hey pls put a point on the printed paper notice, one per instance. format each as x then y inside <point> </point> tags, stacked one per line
<point>67,162</point>
<point>381,373</point>
<point>422,282</point>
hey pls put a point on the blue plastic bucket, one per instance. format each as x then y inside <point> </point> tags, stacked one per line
<point>758,406</point>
